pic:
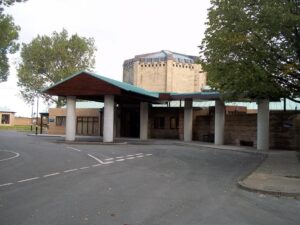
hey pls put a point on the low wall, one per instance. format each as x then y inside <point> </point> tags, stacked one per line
<point>22,121</point>
<point>241,129</point>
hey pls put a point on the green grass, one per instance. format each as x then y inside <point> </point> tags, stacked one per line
<point>20,128</point>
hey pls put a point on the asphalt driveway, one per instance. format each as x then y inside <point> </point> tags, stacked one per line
<point>46,182</point>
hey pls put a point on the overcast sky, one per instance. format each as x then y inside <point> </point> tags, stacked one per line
<point>121,29</point>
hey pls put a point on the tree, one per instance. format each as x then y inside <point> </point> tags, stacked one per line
<point>49,59</point>
<point>8,36</point>
<point>252,48</point>
<point>6,3</point>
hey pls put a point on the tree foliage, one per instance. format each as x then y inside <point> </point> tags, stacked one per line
<point>252,48</point>
<point>49,59</point>
<point>6,3</point>
<point>8,36</point>
<point>8,44</point>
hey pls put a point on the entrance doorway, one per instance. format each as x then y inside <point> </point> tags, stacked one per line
<point>130,121</point>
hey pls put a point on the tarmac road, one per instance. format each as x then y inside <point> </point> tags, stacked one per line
<point>60,184</point>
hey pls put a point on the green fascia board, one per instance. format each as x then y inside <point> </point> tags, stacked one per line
<point>119,84</point>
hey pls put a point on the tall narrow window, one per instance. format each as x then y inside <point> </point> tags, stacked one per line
<point>174,123</point>
<point>159,122</point>
<point>60,121</point>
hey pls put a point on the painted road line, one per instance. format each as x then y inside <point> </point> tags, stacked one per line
<point>15,156</point>
<point>85,167</point>
<point>148,154</point>
<point>129,155</point>
<point>120,160</point>
<point>29,179</point>
<point>98,160</point>
<point>120,157</point>
<point>95,165</point>
<point>51,174</point>
<point>71,170</point>
<point>130,158</point>
<point>139,154</point>
<point>75,149</point>
<point>109,159</point>
<point>109,162</point>
<point>7,184</point>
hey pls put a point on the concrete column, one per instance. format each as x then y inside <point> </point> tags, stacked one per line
<point>144,120</point>
<point>188,120</point>
<point>71,118</point>
<point>108,122</point>
<point>263,124</point>
<point>219,122</point>
<point>115,121</point>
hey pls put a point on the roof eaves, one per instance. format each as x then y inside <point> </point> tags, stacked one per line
<point>68,78</point>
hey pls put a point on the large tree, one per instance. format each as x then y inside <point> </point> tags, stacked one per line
<point>252,48</point>
<point>8,44</point>
<point>6,3</point>
<point>49,59</point>
<point>9,33</point>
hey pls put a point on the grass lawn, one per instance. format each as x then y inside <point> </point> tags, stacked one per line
<point>21,128</point>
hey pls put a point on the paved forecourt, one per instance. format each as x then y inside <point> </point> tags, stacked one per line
<point>57,183</point>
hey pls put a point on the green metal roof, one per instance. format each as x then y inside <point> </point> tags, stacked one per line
<point>119,84</point>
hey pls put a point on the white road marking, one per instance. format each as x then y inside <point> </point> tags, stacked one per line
<point>29,179</point>
<point>75,149</point>
<point>130,158</point>
<point>71,170</point>
<point>51,174</point>
<point>95,165</point>
<point>15,156</point>
<point>109,162</point>
<point>120,160</point>
<point>94,157</point>
<point>85,167</point>
<point>109,159</point>
<point>7,184</point>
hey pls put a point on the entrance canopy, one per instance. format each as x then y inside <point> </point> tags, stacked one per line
<point>90,86</point>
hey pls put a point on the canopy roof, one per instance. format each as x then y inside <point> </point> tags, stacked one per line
<point>91,86</point>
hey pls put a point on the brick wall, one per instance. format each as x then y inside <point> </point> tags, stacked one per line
<point>165,132</point>
<point>22,121</point>
<point>54,112</point>
<point>165,76</point>
<point>241,129</point>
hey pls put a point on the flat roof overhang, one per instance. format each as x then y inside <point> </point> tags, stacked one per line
<point>204,96</point>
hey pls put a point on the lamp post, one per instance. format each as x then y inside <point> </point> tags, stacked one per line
<point>37,115</point>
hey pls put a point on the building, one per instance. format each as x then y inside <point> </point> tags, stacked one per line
<point>88,121</point>
<point>7,117</point>
<point>165,71</point>
<point>128,107</point>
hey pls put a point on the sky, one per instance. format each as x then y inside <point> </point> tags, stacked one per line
<point>121,29</point>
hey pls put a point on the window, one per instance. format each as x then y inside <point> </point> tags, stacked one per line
<point>87,125</point>
<point>5,119</point>
<point>60,121</point>
<point>174,123</point>
<point>159,122</point>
